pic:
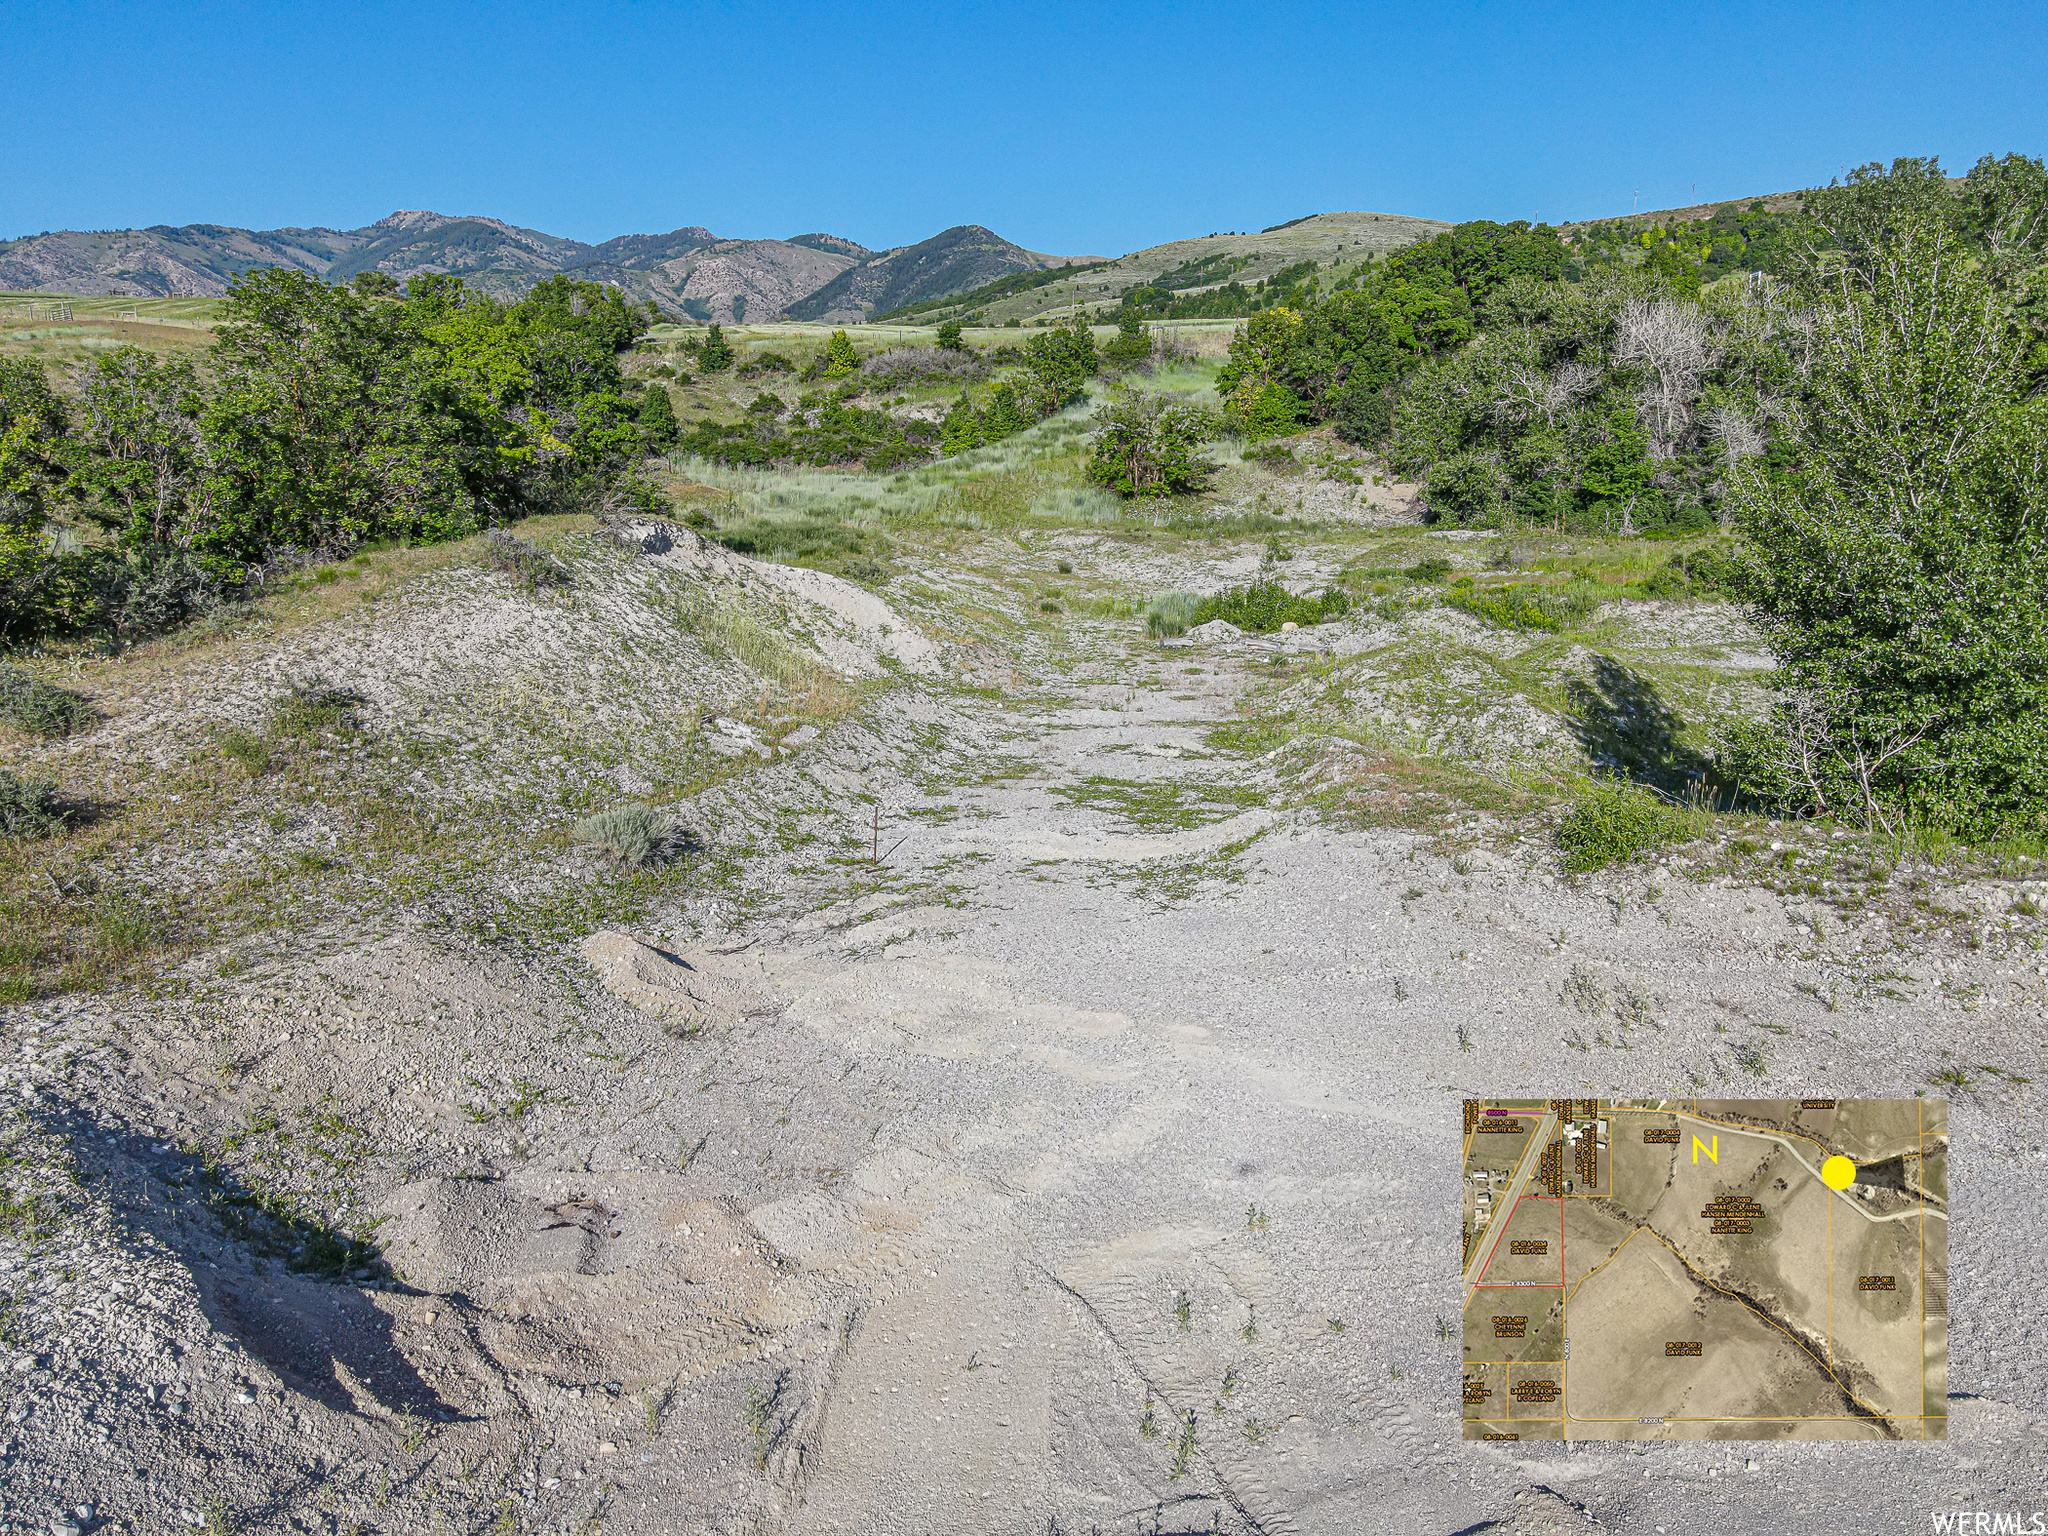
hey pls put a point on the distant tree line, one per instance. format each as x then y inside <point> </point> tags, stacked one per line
<point>324,418</point>
<point>826,428</point>
<point>1520,380</point>
<point>1860,389</point>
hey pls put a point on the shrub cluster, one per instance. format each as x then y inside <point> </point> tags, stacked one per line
<point>1173,614</point>
<point>1264,605</point>
<point>1714,570</point>
<point>1145,446</point>
<point>819,430</point>
<point>41,709</point>
<point>29,807</point>
<point>326,417</point>
<point>526,563</point>
<point>1612,821</point>
<point>920,365</point>
<point>1541,608</point>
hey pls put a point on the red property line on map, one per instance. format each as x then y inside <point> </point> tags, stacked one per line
<point>1494,1252</point>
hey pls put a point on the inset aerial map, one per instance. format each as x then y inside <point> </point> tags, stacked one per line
<point>1706,1269</point>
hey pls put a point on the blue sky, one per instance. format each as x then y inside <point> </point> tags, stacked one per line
<point>1068,128</point>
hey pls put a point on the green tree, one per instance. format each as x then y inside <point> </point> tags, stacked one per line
<point>1618,469</point>
<point>1467,488</point>
<point>591,310</point>
<point>1855,222</point>
<point>841,360</point>
<point>714,352</point>
<point>1901,555</point>
<point>657,419</point>
<point>320,428</point>
<point>1477,257</point>
<point>949,336</point>
<point>1144,445</point>
<point>961,428</point>
<point>32,473</point>
<point>1677,271</point>
<point>1269,410</point>
<point>1131,345</point>
<point>1058,363</point>
<point>1003,412</point>
<point>143,473</point>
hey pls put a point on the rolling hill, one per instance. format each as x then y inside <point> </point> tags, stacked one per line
<point>1328,238</point>
<point>692,272</point>
<point>963,257</point>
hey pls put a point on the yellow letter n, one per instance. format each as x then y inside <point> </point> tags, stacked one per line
<point>1713,1152</point>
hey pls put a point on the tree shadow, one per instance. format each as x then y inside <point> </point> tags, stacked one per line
<point>275,1279</point>
<point>1627,728</point>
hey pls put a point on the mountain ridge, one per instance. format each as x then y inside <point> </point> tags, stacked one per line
<point>688,270</point>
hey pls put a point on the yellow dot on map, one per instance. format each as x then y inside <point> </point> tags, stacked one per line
<point>1838,1173</point>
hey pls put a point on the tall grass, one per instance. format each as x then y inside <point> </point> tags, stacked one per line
<point>1172,614</point>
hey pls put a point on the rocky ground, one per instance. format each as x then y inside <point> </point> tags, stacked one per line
<point>1025,1100</point>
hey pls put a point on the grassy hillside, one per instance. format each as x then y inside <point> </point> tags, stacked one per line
<point>1693,213</point>
<point>55,330</point>
<point>1333,239</point>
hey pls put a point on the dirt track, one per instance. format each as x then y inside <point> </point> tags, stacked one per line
<point>1079,1171</point>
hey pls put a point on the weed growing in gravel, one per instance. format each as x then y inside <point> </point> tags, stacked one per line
<point>278,1226</point>
<point>29,807</point>
<point>1248,736</point>
<point>1183,1311</point>
<point>631,833</point>
<point>1612,821</point>
<point>1161,803</point>
<point>26,1218</point>
<point>249,750</point>
<point>29,704</point>
<point>528,564</point>
<point>1583,992</point>
<point>314,708</point>
<point>1184,1451</point>
<point>761,1419</point>
<point>1148,1423</point>
<point>1524,607</point>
